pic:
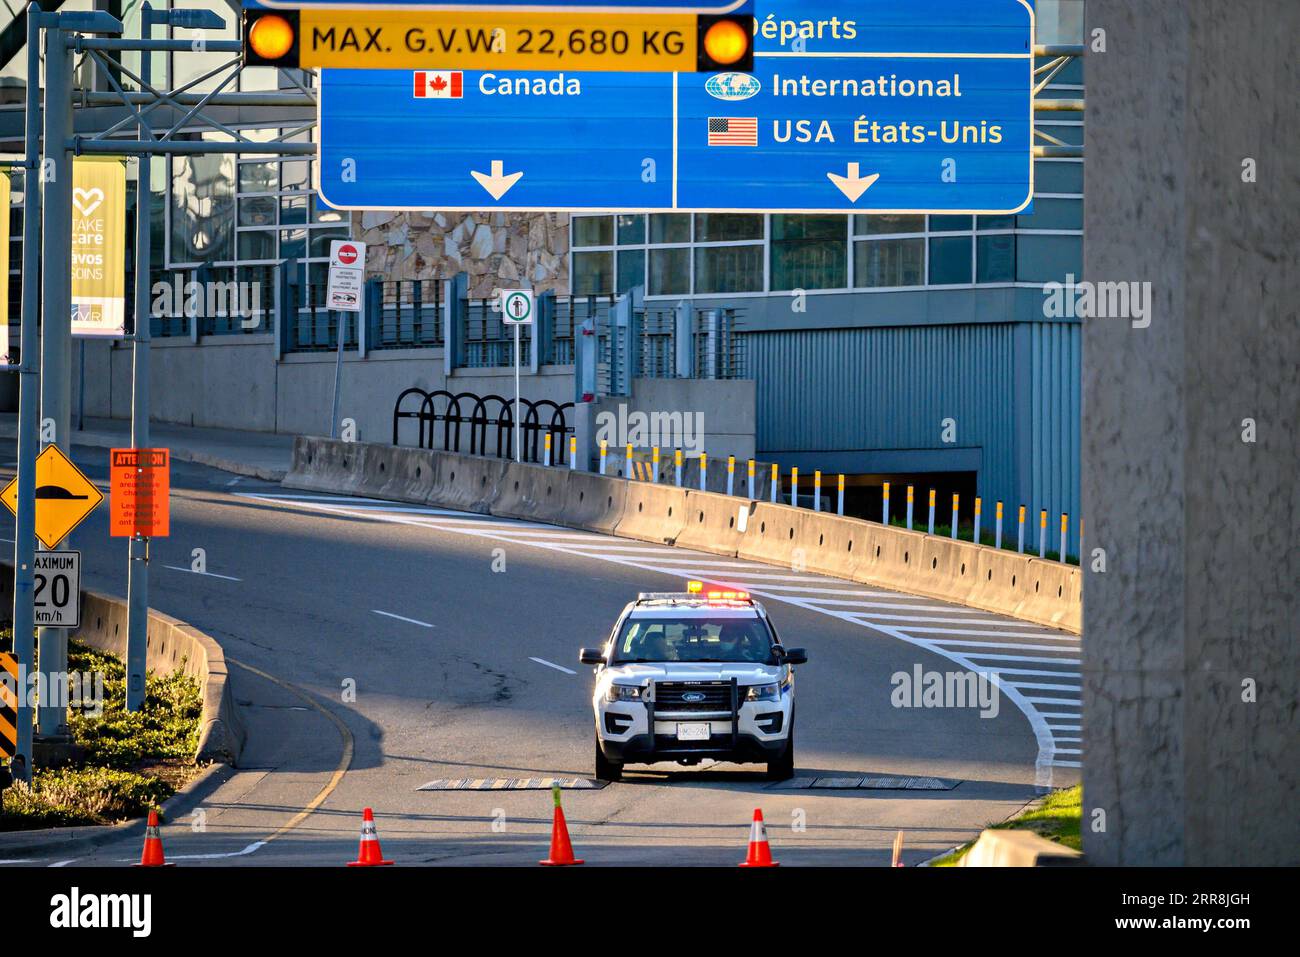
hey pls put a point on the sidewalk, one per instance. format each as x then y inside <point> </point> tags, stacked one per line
<point>262,455</point>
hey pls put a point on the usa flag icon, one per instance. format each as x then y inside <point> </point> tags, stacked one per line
<point>438,84</point>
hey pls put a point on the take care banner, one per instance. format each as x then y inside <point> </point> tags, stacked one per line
<point>99,246</point>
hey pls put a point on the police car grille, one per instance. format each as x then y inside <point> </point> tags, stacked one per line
<point>668,696</point>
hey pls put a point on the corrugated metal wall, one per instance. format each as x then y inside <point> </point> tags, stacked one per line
<point>1013,389</point>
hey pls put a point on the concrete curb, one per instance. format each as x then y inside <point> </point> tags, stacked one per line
<point>64,840</point>
<point>1021,586</point>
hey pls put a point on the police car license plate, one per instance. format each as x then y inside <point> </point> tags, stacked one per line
<point>693,732</point>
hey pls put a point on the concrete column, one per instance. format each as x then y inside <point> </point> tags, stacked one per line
<point>1190,634</point>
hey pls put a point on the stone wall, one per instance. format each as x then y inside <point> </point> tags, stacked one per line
<point>496,249</point>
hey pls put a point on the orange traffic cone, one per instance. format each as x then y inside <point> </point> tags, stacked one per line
<point>369,854</point>
<point>561,850</point>
<point>152,856</point>
<point>760,852</point>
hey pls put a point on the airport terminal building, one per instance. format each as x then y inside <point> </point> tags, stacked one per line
<point>903,348</point>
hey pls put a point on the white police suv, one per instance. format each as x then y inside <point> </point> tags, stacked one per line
<point>692,675</point>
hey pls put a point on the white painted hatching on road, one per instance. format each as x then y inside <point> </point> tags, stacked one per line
<point>413,621</point>
<point>182,568</point>
<point>552,664</point>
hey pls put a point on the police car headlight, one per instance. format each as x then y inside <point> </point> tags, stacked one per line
<point>623,693</point>
<point>763,692</point>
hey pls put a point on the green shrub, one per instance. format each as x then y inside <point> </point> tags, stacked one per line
<point>71,796</point>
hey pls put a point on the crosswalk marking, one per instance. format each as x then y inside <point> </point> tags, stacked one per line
<point>964,635</point>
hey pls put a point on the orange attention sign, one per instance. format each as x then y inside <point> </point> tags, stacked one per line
<point>140,493</point>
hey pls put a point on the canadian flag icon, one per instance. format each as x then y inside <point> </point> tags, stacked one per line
<point>438,84</point>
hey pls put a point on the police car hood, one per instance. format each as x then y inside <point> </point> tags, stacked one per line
<point>745,673</point>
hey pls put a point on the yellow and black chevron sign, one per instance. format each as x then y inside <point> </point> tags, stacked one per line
<point>8,705</point>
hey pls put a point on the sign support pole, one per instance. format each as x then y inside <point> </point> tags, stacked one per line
<point>137,565</point>
<point>28,418</point>
<point>56,313</point>
<point>518,447</point>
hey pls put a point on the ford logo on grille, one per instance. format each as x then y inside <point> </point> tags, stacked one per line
<point>693,696</point>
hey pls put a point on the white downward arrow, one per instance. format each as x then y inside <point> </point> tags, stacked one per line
<point>851,185</point>
<point>497,184</point>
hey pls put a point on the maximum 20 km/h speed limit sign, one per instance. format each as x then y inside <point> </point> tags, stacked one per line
<point>57,589</point>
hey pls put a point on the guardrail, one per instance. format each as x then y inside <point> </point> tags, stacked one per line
<point>1021,586</point>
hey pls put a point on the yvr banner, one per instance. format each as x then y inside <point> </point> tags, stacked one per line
<point>99,246</point>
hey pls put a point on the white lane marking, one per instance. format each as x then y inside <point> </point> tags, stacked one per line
<point>235,481</point>
<point>994,644</point>
<point>1037,686</point>
<point>1042,731</point>
<point>413,621</point>
<point>1032,659</point>
<point>1067,702</point>
<point>1027,671</point>
<point>1068,750</point>
<point>64,863</point>
<point>1067,764</point>
<point>250,849</point>
<point>10,540</point>
<point>1044,635</point>
<point>1068,740</point>
<point>182,568</point>
<point>917,605</point>
<point>946,621</point>
<point>1060,714</point>
<point>551,664</point>
<point>22,860</point>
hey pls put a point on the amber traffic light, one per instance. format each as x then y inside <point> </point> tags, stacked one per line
<point>271,38</point>
<point>726,43</point>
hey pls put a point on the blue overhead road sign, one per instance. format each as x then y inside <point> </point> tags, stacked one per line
<point>616,6</point>
<point>854,105</point>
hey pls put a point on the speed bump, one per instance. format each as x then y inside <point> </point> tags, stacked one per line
<point>512,784</point>
<point>866,782</point>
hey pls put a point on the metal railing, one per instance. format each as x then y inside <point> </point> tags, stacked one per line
<point>405,313</point>
<point>483,425</point>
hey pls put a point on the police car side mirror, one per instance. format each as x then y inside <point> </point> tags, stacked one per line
<point>591,656</point>
<point>795,656</point>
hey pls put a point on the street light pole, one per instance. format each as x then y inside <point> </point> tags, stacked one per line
<point>56,321</point>
<point>137,580</point>
<point>28,395</point>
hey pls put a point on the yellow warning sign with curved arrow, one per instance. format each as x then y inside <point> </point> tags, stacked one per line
<point>64,496</point>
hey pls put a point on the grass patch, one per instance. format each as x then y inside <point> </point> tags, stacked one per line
<point>1057,818</point>
<point>129,762</point>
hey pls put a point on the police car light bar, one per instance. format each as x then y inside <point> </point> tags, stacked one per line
<point>694,587</point>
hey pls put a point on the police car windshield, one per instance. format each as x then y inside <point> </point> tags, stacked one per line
<point>694,639</point>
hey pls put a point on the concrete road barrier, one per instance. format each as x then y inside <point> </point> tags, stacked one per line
<point>594,503</point>
<point>652,513</point>
<point>534,492</point>
<point>715,523</point>
<point>1043,592</point>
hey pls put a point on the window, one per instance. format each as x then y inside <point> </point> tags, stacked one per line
<point>631,230</point>
<point>888,262</point>
<point>727,227</point>
<point>593,272</point>
<point>729,268</point>
<point>995,258</point>
<point>593,231</point>
<point>670,272</point>
<point>889,224</point>
<point>809,252</point>
<point>631,269</point>
<point>950,260</point>
<point>670,228</point>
